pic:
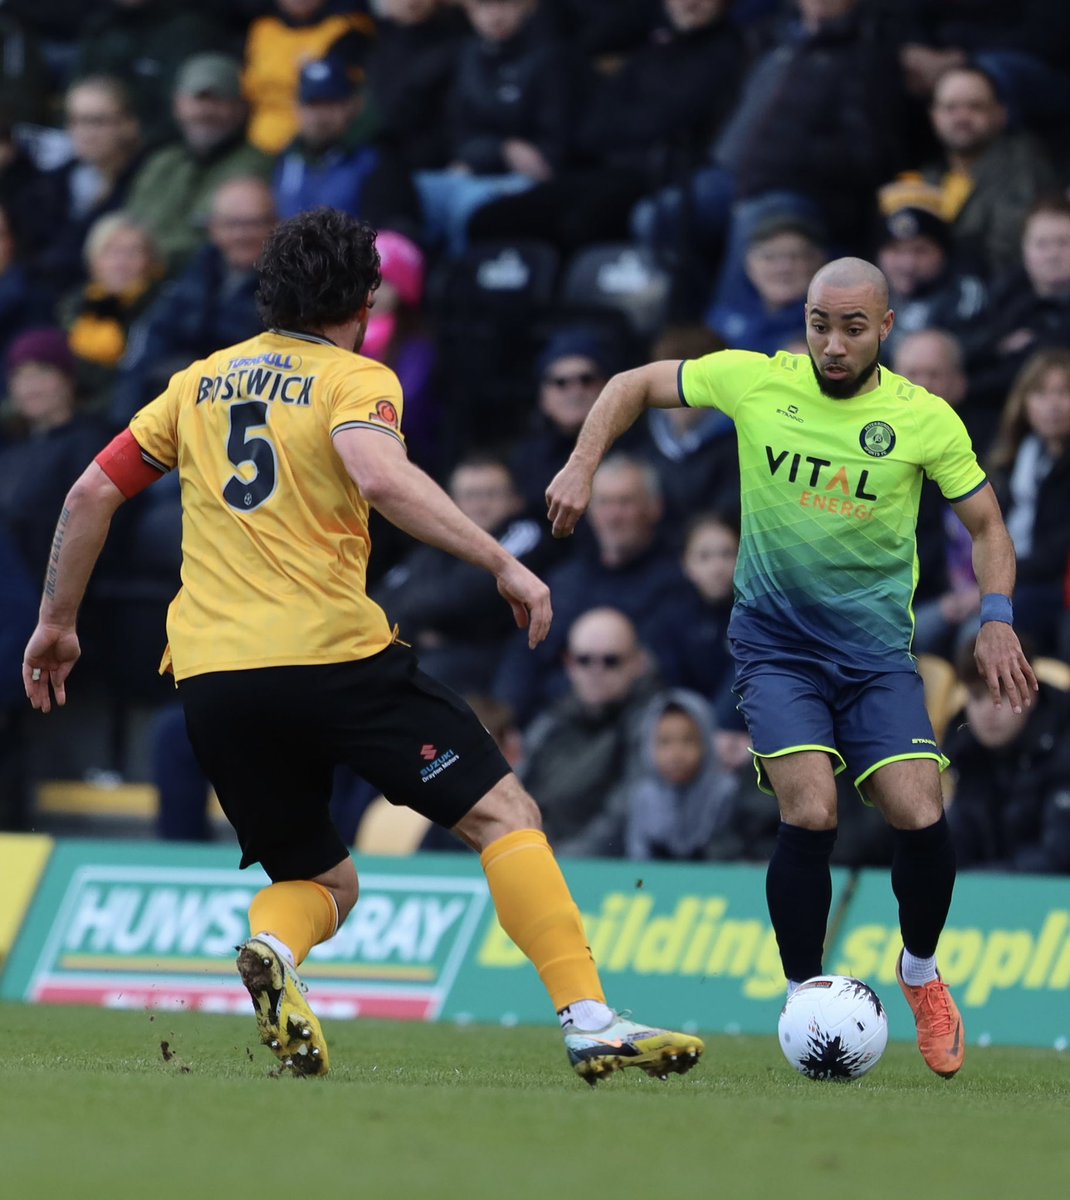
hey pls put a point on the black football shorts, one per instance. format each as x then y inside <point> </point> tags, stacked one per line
<point>269,739</point>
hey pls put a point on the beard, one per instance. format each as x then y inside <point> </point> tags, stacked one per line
<point>844,389</point>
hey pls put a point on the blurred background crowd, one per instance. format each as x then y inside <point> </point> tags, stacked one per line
<point>563,189</point>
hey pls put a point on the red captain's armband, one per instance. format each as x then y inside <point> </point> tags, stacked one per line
<point>123,461</point>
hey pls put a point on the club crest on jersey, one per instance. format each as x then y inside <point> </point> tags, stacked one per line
<point>877,439</point>
<point>386,414</point>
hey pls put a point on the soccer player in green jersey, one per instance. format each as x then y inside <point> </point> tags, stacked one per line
<point>832,450</point>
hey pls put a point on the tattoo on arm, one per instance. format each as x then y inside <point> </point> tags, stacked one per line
<point>53,560</point>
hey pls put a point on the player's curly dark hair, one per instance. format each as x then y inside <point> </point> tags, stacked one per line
<point>316,269</point>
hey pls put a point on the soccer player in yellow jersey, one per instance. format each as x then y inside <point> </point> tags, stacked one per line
<point>285,667</point>
<point>832,452</point>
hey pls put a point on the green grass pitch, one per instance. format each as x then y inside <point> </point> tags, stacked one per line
<point>91,1107</point>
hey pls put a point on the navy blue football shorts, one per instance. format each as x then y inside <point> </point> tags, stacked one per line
<point>862,719</point>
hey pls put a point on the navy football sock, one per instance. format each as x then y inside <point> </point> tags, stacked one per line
<point>798,887</point>
<point>923,878</point>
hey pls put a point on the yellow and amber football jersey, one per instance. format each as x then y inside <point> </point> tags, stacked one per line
<point>275,538</point>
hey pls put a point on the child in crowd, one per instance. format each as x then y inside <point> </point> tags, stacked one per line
<point>681,794</point>
<point>695,653</point>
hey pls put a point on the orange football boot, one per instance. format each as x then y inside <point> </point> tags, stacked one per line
<point>941,1034</point>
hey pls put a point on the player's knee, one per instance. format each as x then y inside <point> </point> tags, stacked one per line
<point>341,881</point>
<point>506,808</point>
<point>814,812</point>
<point>522,811</point>
<point>346,897</point>
<point>920,814</point>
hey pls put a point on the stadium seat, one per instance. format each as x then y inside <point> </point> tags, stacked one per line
<point>1052,671</point>
<point>106,807</point>
<point>484,306</point>
<point>389,828</point>
<point>496,275</point>
<point>621,276</point>
<point>943,693</point>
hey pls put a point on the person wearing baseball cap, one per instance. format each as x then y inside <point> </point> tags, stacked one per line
<point>209,75</point>
<point>171,194</point>
<point>332,162</point>
<point>914,250</point>
<point>279,45</point>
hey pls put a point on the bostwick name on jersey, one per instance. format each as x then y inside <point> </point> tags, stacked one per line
<point>266,377</point>
<point>816,478</point>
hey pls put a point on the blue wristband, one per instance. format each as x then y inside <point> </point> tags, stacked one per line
<point>995,607</point>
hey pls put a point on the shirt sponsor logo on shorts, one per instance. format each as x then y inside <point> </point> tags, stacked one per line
<point>877,439</point>
<point>438,764</point>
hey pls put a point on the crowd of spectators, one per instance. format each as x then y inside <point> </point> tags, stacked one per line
<point>563,188</point>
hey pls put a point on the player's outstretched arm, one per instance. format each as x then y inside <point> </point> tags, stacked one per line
<point>410,499</point>
<point>81,531</point>
<point>615,411</point>
<point>999,655</point>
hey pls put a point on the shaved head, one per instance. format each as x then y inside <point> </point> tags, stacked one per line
<point>852,273</point>
<point>847,319</point>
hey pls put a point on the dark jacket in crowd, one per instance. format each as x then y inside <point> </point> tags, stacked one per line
<point>575,756</point>
<point>35,475</point>
<point>409,71</point>
<point>693,651</point>
<point>1011,175</point>
<point>649,590</point>
<point>657,114</point>
<point>1015,305</point>
<point>519,88</point>
<point>206,307</point>
<point>699,471</point>
<point>1040,28</point>
<point>820,115</point>
<point>1047,559</point>
<point>19,594</point>
<point>451,611</point>
<point>55,236</point>
<point>357,178</point>
<point>953,301</point>
<point>19,178</point>
<point>23,305</point>
<point>1011,809</point>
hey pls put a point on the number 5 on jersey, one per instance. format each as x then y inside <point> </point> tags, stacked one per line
<point>250,449</point>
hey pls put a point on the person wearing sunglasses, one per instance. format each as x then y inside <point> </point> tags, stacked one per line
<point>579,751</point>
<point>570,372</point>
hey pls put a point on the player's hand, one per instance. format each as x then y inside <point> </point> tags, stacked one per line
<point>567,497</point>
<point>1003,666</point>
<point>50,655</point>
<point>529,598</point>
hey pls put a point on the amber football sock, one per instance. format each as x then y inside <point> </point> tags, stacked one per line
<point>536,909</point>
<point>299,913</point>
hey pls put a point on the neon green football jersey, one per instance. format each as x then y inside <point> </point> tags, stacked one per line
<point>829,494</point>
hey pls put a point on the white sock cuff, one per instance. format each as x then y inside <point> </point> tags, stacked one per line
<point>277,945</point>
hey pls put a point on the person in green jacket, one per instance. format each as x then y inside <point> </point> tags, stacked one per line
<point>172,192</point>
